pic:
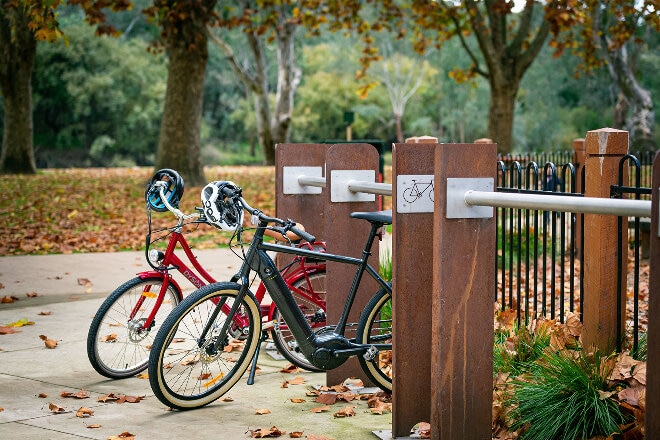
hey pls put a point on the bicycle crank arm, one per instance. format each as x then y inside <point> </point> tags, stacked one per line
<point>361,350</point>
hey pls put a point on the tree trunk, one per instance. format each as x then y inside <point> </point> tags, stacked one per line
<point>17,155</point>
<point>500,114</point>
<point>641,119</point>
<point>179,144</point>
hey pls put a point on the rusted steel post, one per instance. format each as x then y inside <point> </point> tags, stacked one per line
<point>579,156</point>
<point>412,277</point>
<point>652,418</point>
<point>304,208</point>
<point>604,149</point>
<point>346,236</point>
<point>462,319</point>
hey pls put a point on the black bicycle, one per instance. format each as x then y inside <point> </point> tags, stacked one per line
<point>202,350</point>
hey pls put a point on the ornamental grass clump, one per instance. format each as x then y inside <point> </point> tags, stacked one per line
<point>565,395</point>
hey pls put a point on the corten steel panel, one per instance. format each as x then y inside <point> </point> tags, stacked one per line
<point>412,260</point>
<point>463,274</point>
<point>653,358</point>
<point>347,236</point>
<point>303,208</point>
<point>604,149</point>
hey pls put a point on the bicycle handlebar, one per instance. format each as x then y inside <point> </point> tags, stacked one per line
<point>286,226</point>
<point>176,211</point>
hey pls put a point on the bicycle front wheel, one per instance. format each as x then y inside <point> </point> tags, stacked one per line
<point>375,328</point>
<point>118,341</point>
<point>309,292</point>
<point>191,364</point>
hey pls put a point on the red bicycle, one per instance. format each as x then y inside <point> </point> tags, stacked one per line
<point>123,329</point>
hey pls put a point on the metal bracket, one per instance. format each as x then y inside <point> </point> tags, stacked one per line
<point>290,184</point>
<point>340,179</point>
<point>456,206</point>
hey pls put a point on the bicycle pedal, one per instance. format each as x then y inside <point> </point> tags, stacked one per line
<point>370,354</point>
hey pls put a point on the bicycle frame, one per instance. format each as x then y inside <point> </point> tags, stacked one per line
<point>327,350</point>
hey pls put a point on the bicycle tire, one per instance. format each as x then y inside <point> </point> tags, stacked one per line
<point>117,346</point>
<point>184,374</point>
<point>375,326</point>
<point>312,285</point>
<point>408,195</point>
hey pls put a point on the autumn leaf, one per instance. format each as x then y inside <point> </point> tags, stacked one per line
<point>123,436</point>
<point>42,395</point>
<point>143,376</point>
<point>326,398</point>
<point>345,412</point>
<point>45,313</point>
<point>297,400</point>
<point>8,330</point>
<point>82,394</point>
<point>8,299</point>
<point>84,412</point>
<point>56,408</point>
<point>84,282</point>
<point>290,369</point>
<point>422,429</point>
<point>107,397</point>
<point>296,434</point>
<point>299,380</point>
<point>320,409</point>
<point>262,411</point>
<point>32,295</point>
<point>130,399</point>
<point>109,338</point>
<point>50,343</point>
<point>265,432</point>
<point>93,426</point>
<point>21,323</point>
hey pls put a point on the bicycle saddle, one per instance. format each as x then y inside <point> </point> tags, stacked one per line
<point>384,217</point>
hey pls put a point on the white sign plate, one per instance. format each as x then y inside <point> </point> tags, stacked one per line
<point>414,193</point>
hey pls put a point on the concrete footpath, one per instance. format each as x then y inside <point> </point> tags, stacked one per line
<point>69,289</point>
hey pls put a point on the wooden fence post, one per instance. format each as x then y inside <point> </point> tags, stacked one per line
<point>412,277</point>
<point>347,236</point>
<point>462,325</point>
<point>652,418</point>
<point>604,149</point>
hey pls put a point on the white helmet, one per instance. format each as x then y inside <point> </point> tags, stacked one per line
<point>225,213</point>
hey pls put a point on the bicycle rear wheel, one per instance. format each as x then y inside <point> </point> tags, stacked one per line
<point>375,327</point>
<point>309,291</point>
<point>191,364</point>
<point>117,342</point>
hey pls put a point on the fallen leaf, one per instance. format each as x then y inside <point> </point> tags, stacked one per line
<point>265,432</point>
<point>82,394</point>
<point>296,434</point>
<point>84,282</point>
<point>290,369</point>
<point>93,426</point>
<point>21,323</point>
<point>297,400</point>
<point>262,411</point>
<point>298,380</point>
<point>84,412</point>
<point>423,429</point>
<point>107,397</point>
<point>42,395</point>
<point>320,409</point>
<point>130,399</point>
<point>8,299</point>
<point>50,343</point>
<point>8,330</point>
<point>345,412</point>
<point>123,436</point>
<point>228,399</point>
<point>32,295</point>
<point>56,408</point>
<point>45,313</point>
<point>109,338</point>
<point>143,376</point>
<point>327,398</point>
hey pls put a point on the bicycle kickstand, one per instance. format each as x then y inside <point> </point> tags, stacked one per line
<point>253,368</point>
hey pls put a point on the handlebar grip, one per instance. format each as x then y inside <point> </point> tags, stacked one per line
<point>303,234</point>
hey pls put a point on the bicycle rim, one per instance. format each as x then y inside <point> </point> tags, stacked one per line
<point>310,294</point>
<point>117,342</point>
<point>185,371</point>
<point>375,327</point>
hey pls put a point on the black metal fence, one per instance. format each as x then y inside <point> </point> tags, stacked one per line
<point>539,264</point>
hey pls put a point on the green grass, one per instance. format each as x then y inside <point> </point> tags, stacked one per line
<point>565,395</point>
